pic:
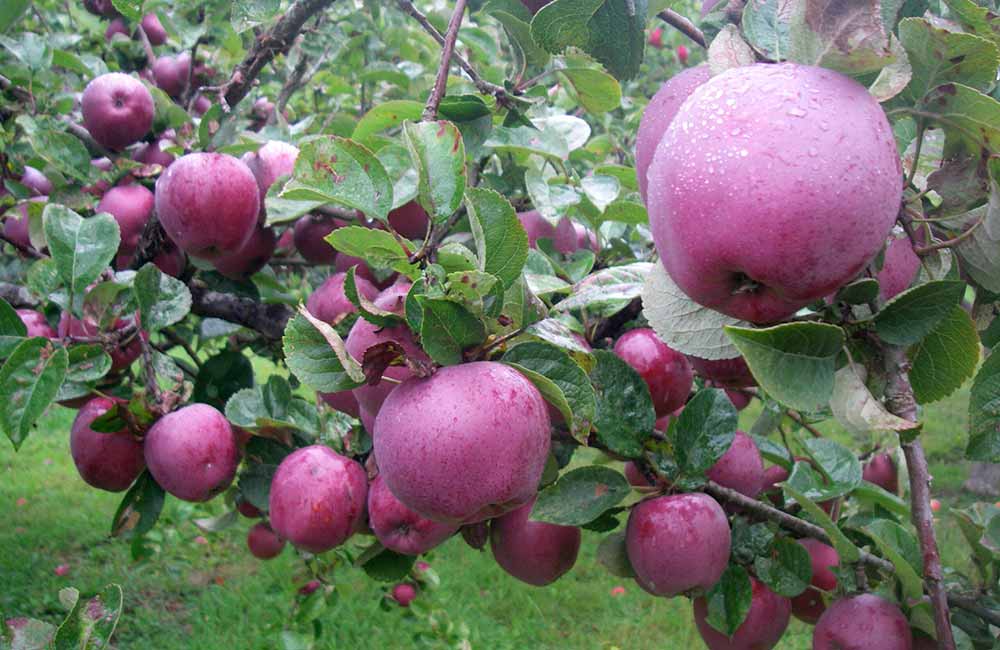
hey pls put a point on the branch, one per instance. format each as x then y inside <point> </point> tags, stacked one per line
<point>88,140</point>
<point>899,401</point>
<point>972,605</point>
<point>272,42</point>
<point>683,25</point>
<point>147,46</point>
<point>948,243</point>
<point>610,327</point>
<point>268,319</point>
<point>441,81</point>
<point>19,297</point>
<point>22,94</point>
<point>27,251</point>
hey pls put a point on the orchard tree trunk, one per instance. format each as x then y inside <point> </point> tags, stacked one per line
<point>984,480</point>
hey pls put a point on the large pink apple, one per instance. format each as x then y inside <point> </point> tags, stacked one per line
<point>131,206</point>
<point>534,552</point>
<point>154,29</point>
<point>466,444</point>
<point>250,257</point>
<point>117,110</point>
<point>192,452</point>
<point>774,185</point>
<point>809,606</point>
<point>678,543</point>
<point>36,324</point>
<point>330,304</point>
<point>270,162</point>
<point>317,498</point>
<point>171,73</point>
<point>410,220</point>
<point>862,622</point>
<point>36,181</point>
<point>208,204</point>
<point>399,528</point>
<point>107,461</point>
<point>741,468</point>
<point>762,628</point>
<point>658,115</point>
<point>666,372</point>
<point>536,226</point>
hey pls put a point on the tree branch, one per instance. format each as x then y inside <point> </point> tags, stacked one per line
<point>683,25</point>
<point>27,251</point>
<point>448,48</point>
<point>88,140</point>
<point>268,319</point>
<point>948,243</point>
<point>19,297</point>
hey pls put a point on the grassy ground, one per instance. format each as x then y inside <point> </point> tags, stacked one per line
<point>214,595</point>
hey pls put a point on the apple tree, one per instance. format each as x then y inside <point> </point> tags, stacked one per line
<point>371,273</point>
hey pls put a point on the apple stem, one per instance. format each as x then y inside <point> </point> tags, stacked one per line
<point>447,48</point>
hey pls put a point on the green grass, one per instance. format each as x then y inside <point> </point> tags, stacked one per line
<point>216,596</point>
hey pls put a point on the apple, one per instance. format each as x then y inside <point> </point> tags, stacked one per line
<point>263,543</point>
<point>16,226</point>
<point>36,324</point>
<point>935,505</point>
<point>154,29</point>
<point>309,236</point>
<point>270,162</point>
<point>36,181</point>
<point>117,110</point>
<point>534,552</point>
<point>201,106</point>
<point>820,186</point>
<point>724,373</point>
<point>809,606</point>
<point>247,509</point>
<point>330,304</point>
<point>484,438</point>
<point>476,535</point>
<point>116,26</point>
<point>317,498</point>
<point>635,476</point>
<point>899,268</point>
<point>343,401</point>
<point>410,220</point>
<point>862,622</point>
<point>535,5</point>
<point>739,399</point>
<point>666,372</point>
<point>656,38</point>
<point>362,270</point>
<point>260,113</point>
<point>677,543</point>
<point>570,237</point>
<point>762,628</point>
<point>400,529</point>
<point>741,468</point>
<point>536,226</point>
<point>171,73</point>
<point>208,204</point>
<point>921,642</point>
<point>772,476</point>
<point>250,257</point>
<point>107,461</point>
<point>658,115</point>
<point>169,259</point>
<point>404,593</point>
<point>131,206</point>
<point>100,7</point>
<point>153,153</point>
<point>881,470</point>
<point>310,587</point>
<point>192,452</point>
<point>682,54</point>
<point>121,356</point>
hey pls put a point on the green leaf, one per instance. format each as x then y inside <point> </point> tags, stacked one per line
<point>850,39</point>
<point>984,411</point>
<point>501,242</point>
<point>613,555</point>
<point>366,307</point>
<point>438,154</point>
<point>247,14</point>
<point>131,9</point>
<point>938,56</point>
<point>625,414</point>
<point>529,140</point>
<point>900,548</point>
<point>970,118</point>
<point>337,170</point>
<point>911,315</point>
<point>85,366</point>
<point>11,11</point>
<point>271,409</point>
<point>794,362</point>
<point>856,409</point>
<point>859,292</point>
<point>838,464</point>
<point>448,329</point>
<point>12,329</point>
<point>787,569</point>
<point>597,91</point>
<point>945,358</point>
<point>139,508</point>
<point>255,483</point>
<point>61,150</point>
<point>607,291</point>
<point>556,332</point>
<point>869,493</point>
<point>29,381</point>
<point>766,27</point>
<point>729,49</point>
<point>386,115</point>
<point>610,31</point>
<point>623,211</point>
<point>704,431</point>
<point>314,361</point>
<point>847,551</point>
<point>578,400</point>
<point>377,247</point>
<point>91,622</point>
<point>729,600</point>
<point>580,496</point>
<point>168,114</point>
<point>222,376</point>
<point>386,565</point>
<point>81,248</point>
<point>978,20</point>
<point>162,300</point>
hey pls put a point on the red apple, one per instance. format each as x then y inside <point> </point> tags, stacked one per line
<point>862,622</point>
<point>250,257</point>
<point>153,153</point>
<point>741,468</point>
<point>117,110</point>
<point>131,206</point>
<point>263,543</point>
<point>534,552</point>
<point>762,628</point>
<point>272,161</point>
<point>107,461</point>
<point>121,356</point>
<point>330,304</point>
<point>309,239</point>
<point>410,220</point>
<point>154,29</point>
<point>400,529</point>
<point>247,509</point>
<point>809,606</point>
<point>881,470</point>
<point>404,593</point>
<point>682,54</point>
<point>171,73</point>
<point>724,373</point>
<point>36,324</point>
<point>36,181</point>
<point>666,372</point>
<point>656,38</point>
<point>116,26</point>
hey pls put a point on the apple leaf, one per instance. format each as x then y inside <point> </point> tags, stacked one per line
<point>385,565</point>
<point>840,468</point>
<point>786,569</point>
<point>899,547</point>
<point>529,140</point>
<point>766,27</point>
<point>612,554</point>
<point>558,333</point>
<point>255,484</point>
<point>63,151</point>
<point>729,50</point>
<point>132,9</point>
<point>856,409</point>
<point>81,248</point>
<point>447,329</point>
<point>846,549</point>
<point>229,371</point>
<point>377,247</point>
<point>501,242</point>
<point>139,508</point>
<point>911,315</point>
<point>315,354</point>
<point>91,622</point>
<point>10,11</point>
<point>162,300</point>
<point>366,308</point>
<point>596,91</point>
<point>607,291</point>
<point>29,381</point>
<point>580,496</point>
<point>938,56</point>
<point>12,329</point>
<point>984,411</point>
<point>729,600</point>
<point>438,154</point>
<point>625,416</point>
<point>704,431</point>
<point>86,365</point>
<point>945,358</point>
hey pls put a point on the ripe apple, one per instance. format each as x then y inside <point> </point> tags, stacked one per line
<point>169,259</point>
<point>899,268</point>
<point>100,7</point>
<point>107,461</point>
<point>536,226</point>
<point>208,204</point>
<point>36,181</point>
<point>192,452</point>
<point>343,401</point>
<point>247,509</point>
<point>682,54</point>
<point>658,115</point>
<point>666,371</point>
<point>484,438</point>
<point>171,73</point>
<point>935,505</point>
<point>201,106</point>
<point>404,593</point>
<point>116,26</point>
<point>862,622</point>
<point>250,257</point>
<point>154,29</point>
<point>271,161</point>
<point>772,476</point>
<point>330,304</point>
<point>809,606</point>
<point>881,470</point>
<point>570,237</point>
<point>741,468</point>
<point>762,628</point>
<point>400,529</point>
<point>820,189</point>
<point>153,153</point>
<point>36,324</point>
<point>410,220</point>
<point>263,543</point>
<point>117,110</point>
<point>16,225</point>
<point>534,552</point>
<point>309,239</point>
<point>131,206</point>
<point>635,476</point>
<point>656,38</point>
<point>724,373</point>
<point>121,356</point>
<point>362,270</point>
<point>677,543</point>
<point>317,498</point>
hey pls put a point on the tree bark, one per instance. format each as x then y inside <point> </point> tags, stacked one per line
<point>984,480</point>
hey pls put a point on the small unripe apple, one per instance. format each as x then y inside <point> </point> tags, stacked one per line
<point>36,181</point>
<point>534,552</point>
<point>309,236</point>
<point>862,622</point>
<point>131,206</point>
<point>741,468</point>
<point>270,162</point>
<point>317,498</point>
<point>192,453</point>
<point>330,304</point>
<point>250,257</point>
<point>263,543</point>
<point>762,628</point>
<point>809,606</point>
<point>404,593</point>
<point>881,470</point>
<point>107,461</point>
<point>410,220</point>
<point>36,324</point>
<point>666,372</point>
<point>117,110</point>
<point>724,373</point>
<point>656,38</point>
<point>171,73</point>
<point>154,29</point>
<point>397,527</point>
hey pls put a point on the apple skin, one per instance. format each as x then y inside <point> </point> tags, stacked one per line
<point>655,38</point>
<point>263,543</point>
<point>106,461</point>
<point>250,257</point>
<point>862,622</point>
<point>131,206</point>
<point>117,110</point>
<point>820,189</point>
<point>658,115</point>
<point>192,452</point>
<point>116,26</point>
<point>36,181</point>
<point>739,399</point>
<point>474,459</point>
<point>153,153</point>
<point>809,606</point>
<point>273,160</point>
<point>154,29</point>
<point>635,476</point>
<point>169,259</point>
<point>121,357</point>
<point>100,7</point>
<point>208,204</point>
<point>762,628</point>
<point>536,226</point>
<point>724,373</point>
<point>881,470</point>
<point>171,73</point>
<point>317,498</point>
<point>309,237</point>
<point>330,304</point>
<point>36,324</point>
<point>343,401</point>
<point>16,226</point>
<point>247,509</point>
<point>682,54</point>
<point>900,267</point>
<point>534,552</point>
<point>404,593</point>
<point>399,528</point>
<point>677,543</point>
<point>410,220</point>
<point>741,468</point>
<point>666,372</point>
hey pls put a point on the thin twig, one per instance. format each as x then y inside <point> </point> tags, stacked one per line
<point>147,46</point>
<point>801,421</point>
<point>188,94</point>
<point>972,605</point>
<point>88,140</point>
<point>916,153</point>
<point>177,339</point>
<point>441,80</point>
<point>683,25</point>
<point>948,243</point>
